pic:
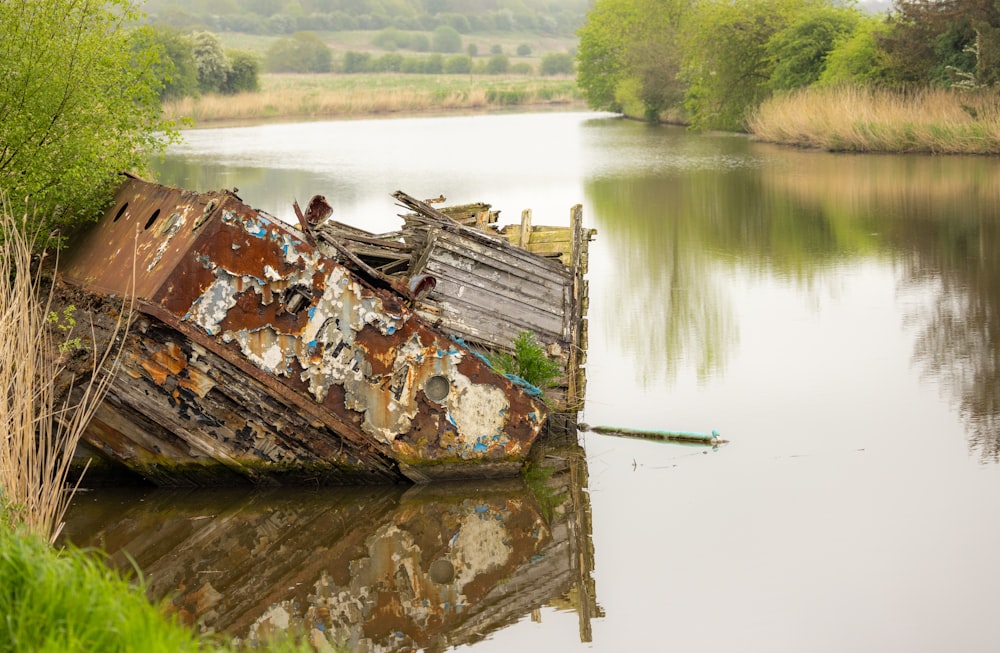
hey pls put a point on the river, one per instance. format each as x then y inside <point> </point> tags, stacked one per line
<point>835,317</point>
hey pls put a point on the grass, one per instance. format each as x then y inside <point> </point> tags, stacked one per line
<point>938,121</point>
<point>43,413</point>
<point>315,96</point>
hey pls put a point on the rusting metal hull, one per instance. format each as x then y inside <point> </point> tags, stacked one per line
<point>253,356</point>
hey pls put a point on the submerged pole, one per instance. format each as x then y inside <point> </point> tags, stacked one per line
<point>684,437</point>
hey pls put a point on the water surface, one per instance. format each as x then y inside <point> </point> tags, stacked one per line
<point>833,316</point>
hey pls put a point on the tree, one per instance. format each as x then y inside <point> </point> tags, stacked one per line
<point>630,55</point>
<point>800,50</point>
<point>302,52</point>
<point>726,63</point>
<point>175,67</point>
<point>856,58</point>
<point>446,39</point>
<point>78,106</point>
<point>604,42</point>
<point>211,61</point>
<point>943,42</point>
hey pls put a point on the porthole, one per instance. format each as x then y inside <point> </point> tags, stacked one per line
<point>437,387</point>
<point>121,212</point>
<point>152,219</point>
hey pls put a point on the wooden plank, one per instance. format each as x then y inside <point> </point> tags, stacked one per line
<point>509,259</point>
<point>511,309</point>
<point>445,266</point>
<point>493,329</point>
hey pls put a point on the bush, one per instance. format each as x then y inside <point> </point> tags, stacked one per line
<point>557,63</point>
<point>497,65</point>
<point>446,39</point>
<point>244,72</point>
<point>524,50</point>
<point>357,62</point>
<point>302,52</point>
<point>458,65</point>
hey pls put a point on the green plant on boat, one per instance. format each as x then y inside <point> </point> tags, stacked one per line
<point>528,361</point>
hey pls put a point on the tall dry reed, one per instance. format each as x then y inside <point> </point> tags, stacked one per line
<point>43,413</point>
<point>848,118</point>
<point>354,96</point>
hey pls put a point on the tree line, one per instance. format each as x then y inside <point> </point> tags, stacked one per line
<point>711,62</point>
<point>278,17</point>
<point>187,65</point>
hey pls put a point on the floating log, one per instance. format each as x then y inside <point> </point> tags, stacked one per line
<point>683,437</point>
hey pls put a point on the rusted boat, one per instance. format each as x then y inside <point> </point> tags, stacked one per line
<point>255,355</point>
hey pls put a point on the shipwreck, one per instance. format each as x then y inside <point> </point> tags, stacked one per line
<point>262,353</point>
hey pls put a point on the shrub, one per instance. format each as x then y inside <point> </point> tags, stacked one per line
<point>458,65</point>
<point>244,72</point>
<point>557,63</point>
<point>446,39</point>
<point>302,52</point>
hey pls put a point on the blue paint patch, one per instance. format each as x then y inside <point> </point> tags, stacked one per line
<point>532,390</point>
<point>391,330</point>
<point>479,447</point>
<point>482,508</point>
<point>451,420</point>
<point>312,312</point>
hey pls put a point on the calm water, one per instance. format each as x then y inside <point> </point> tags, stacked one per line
<point>835,317</point>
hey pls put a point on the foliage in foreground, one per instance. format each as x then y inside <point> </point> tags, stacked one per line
<point>71,601</point>
<point>77,105</point>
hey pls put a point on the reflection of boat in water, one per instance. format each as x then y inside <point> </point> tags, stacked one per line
<point>256,355</point>
<point>379,569</point>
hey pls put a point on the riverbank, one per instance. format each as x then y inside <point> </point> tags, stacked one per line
<point>853,119</point>
<point>319,96</point>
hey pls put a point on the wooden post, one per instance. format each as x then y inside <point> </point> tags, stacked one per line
<point>573,391</point>
<point>524,237</point>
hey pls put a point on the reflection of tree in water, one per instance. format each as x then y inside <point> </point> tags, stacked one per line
<point>940,215</point>
<point>664,302</point>
<point>958,341</point>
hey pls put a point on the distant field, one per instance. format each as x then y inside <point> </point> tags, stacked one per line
<point>361,41</point>
<point>330,95</point>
